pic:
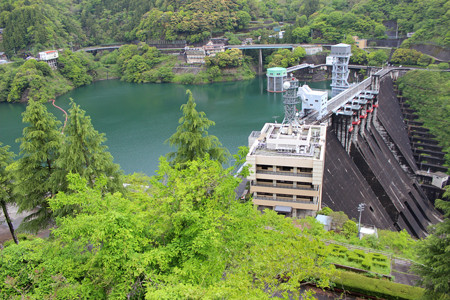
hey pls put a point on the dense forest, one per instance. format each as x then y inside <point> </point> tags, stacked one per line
<point>33,25</point>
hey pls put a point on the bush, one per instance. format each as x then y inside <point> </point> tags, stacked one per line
<point>376,287</point>
<point>326,211</point>
<point>443,66</point>
<point>187,78</point>
<point>367,264</point>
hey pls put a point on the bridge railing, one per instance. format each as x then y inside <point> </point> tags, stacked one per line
<point>339,100</point>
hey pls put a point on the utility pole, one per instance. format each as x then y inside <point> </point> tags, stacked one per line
<point>360,209</point>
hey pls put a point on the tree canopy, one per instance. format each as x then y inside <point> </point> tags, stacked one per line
<point>182,235</point>
<point>39,150</point>
<point>434,255</point>
<point>192,139</point>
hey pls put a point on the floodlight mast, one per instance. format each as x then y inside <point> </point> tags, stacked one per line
<point>360,209</point>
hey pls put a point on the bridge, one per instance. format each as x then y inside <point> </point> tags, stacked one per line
<point>262,46</point>
<point>298,67</point>
<point>100,48</point>
<point>370,83</point>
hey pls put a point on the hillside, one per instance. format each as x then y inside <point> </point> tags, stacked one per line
<point>33,25</point>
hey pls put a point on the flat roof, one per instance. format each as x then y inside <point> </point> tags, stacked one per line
<point>277,139</point>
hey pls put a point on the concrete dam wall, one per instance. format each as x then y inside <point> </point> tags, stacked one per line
<point>378,170</point>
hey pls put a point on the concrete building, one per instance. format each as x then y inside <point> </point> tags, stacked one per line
<point>313,100</point>
<point>195,55</point>
<point>286,168</point>
<point>49,57</point>
<point>211,49</point>
<point>312,49</point>
<point>360,43</point>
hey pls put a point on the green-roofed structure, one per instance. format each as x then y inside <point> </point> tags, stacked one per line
<point>275,78</point>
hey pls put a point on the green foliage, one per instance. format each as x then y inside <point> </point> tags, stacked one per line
<point>285,58</point>
<point>83,152</point>
<point>406,56</point>
<point>338,219</point>
<point>39,150</point>
<point>359,56</point>
<point>434,255</point>
<point>175,240</point>
<point>32,80</point>
<point>325,211</point>
<point>228,59</point>
<point>141,63</point>
<point>232,38</point>
<point>6,186</point>
<point>37,24</point>
<point>428,94</point>
<point>349,229</point>
<point>378,57</point>
<point>74,67</point>
<point>375,287</point>
<point>191,138</point>
<point>187,78</point>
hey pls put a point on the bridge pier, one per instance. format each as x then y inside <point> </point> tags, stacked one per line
<point>260,65</point>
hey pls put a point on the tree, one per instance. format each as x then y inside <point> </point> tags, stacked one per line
<point>39,150</point>
<point>338,219</point>
<point>175,239</point>
<point>349,229</point>
<point>6,186</point>
<point>83,153</point>
<point>434,255</point>
<point>191,138</point>
<point>377,58</point>
<point>302,34</point>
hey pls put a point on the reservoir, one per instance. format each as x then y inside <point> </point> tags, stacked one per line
<point>138,118</point>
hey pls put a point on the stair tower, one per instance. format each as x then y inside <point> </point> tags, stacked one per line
<point>341,55</point>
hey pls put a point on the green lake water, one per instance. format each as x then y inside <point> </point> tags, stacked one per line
<point>138,118</point>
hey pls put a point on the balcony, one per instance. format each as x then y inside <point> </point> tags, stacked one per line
<point>285,199</point>
<point>308,175</point>
<point>286,186</point>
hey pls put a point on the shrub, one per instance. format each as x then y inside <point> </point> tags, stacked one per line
<point>443,66</point>
<point>376,287</point>
<point>360,253</point>
<point>326,211</point>
<point>367,264</point>
<point>187,78</point>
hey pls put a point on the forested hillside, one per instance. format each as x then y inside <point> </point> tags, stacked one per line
<point>32,25</point>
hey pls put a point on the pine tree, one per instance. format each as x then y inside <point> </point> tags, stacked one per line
<point>6,186</point>
<point>191,138</point>
<point>39,150</point>
<point>83,153</point>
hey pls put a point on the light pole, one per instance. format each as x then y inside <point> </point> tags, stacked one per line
<point>360,209</point>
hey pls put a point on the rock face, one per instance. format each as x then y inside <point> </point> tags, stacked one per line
<point>378,171</point>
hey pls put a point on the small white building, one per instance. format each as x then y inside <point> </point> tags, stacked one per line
<point>48,55</point>
<point>329,60</point>
<point>325,221</point>
<point>312,49</point>
<point>313,100</point>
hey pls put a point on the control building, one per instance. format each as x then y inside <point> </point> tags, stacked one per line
<point>286,168</point>
<point>313,100</point>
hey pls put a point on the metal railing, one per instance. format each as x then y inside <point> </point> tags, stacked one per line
<point>285,187</point>
<point>284,173</point>
<point>284,200</point>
